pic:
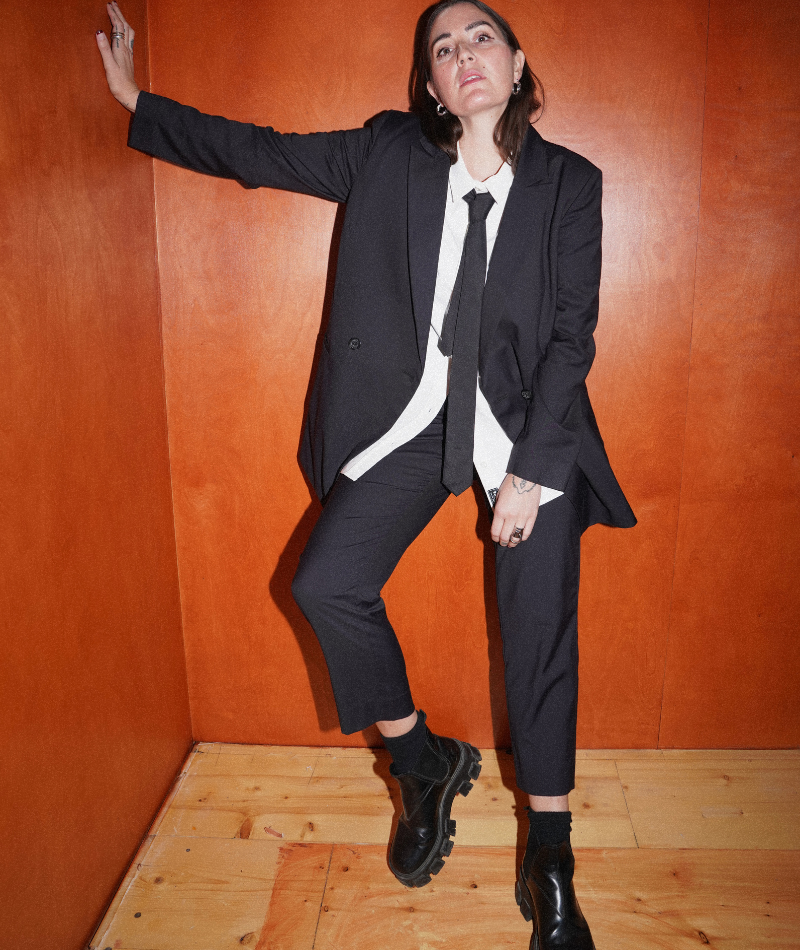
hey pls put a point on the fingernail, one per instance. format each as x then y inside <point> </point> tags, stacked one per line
<point>98,33</point>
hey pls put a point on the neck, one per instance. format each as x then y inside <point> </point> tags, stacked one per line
<point>480,154</point>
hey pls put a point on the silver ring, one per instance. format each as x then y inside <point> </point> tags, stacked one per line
<point>516,534</point>
<point>117,33</point>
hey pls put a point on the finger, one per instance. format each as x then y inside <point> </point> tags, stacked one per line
<point>117,22</point>
<point>124,27</point>
<point>526,531</point>
<point>117,38</point>
<point>497,527</point>
<point>501,529</point>
<point>112,67</point>
<point>117,26</point>
<point>105,51</point>
<point>505,534</point>
<point>115,7</point>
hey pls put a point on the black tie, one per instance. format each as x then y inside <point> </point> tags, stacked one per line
<point>459,340</point>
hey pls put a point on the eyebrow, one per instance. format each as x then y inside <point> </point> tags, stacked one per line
<point>467,28</point>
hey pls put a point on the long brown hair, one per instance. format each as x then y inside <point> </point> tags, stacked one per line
<point>446,130</point>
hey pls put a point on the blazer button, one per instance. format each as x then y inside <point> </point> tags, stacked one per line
<point>526,394</point>
<point>355,343</point>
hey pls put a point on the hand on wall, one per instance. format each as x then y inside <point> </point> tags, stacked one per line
<point>118,58</point>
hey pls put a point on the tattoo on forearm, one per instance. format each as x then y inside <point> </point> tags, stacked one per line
<point>522,485</point>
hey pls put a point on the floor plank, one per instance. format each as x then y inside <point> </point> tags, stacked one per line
<point>233,748</point>
<point>280,848</point>
<point>676,899</point>
<point>256,762</point>
<point>297,896</point>
<point>733,803</point>
<point>111,912</point>
<point>688,755</point>
<point>469,903</point>
<point>633,899</point>
<point>352,799</point>
<point>196,894</point>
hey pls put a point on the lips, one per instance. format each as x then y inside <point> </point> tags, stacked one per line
<point>471,76</point>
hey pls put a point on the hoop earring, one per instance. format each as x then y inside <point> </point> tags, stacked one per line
<point>515,89</point>
<point>440,109</point>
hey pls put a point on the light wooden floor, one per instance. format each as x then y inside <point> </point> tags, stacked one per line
<point>285,848</point>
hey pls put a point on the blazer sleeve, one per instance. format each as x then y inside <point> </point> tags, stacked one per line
<point>323,164</point>
<point>546,450</point>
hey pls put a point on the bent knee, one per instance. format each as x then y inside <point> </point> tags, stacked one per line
<point>319,588</point>
<point>316,586</point>
<point>305,589</point>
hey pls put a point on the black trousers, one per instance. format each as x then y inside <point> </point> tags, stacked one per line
<point>363,530</point>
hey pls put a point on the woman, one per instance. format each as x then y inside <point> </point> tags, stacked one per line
<point>432,364</point>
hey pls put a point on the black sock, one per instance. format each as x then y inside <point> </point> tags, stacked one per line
<point>549,827</point>
<point>405,750</point>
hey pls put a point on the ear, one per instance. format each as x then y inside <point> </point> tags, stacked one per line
<point>432,91</point>
<point>519,62</point>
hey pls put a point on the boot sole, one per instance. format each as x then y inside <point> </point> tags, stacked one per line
<point>524,900</point>
<point>526,909</point>
<point>469,767</point>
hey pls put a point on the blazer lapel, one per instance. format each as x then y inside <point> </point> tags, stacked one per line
<point>522,223</point>
<point>428,172</point>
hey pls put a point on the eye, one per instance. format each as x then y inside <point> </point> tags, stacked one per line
<point>482,36</point>
<point>442,52</point>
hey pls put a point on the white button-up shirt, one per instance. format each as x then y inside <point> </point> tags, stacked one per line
<point>492,447</point>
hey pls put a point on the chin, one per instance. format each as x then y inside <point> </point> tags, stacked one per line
<point>473,108</point>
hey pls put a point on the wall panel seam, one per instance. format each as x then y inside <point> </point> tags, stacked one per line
<point>164,381</point>
<point>688,383</point>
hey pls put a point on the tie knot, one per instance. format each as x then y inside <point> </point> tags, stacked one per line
<point>479,205</point>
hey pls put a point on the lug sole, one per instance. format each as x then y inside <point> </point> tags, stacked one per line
<point>461,783</point>
<point>525,908</point>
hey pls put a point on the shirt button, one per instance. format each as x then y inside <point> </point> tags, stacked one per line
<point>526,394</point>
<point>355,343</point>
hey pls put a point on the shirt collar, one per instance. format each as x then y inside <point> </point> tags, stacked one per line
<point>462,183</point>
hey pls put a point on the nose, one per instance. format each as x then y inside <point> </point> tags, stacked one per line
<point>464,54</point>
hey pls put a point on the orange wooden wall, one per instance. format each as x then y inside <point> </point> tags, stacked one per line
<point>94,718</point>
<point>688,622</point>
<point>733,661</point>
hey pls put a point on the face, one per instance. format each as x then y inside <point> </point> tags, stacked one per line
<point>473,69</point>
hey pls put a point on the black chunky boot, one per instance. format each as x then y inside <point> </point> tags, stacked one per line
<point>423,837</point>
<point>546,895</point>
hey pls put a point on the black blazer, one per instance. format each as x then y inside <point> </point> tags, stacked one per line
<point>539,307</point>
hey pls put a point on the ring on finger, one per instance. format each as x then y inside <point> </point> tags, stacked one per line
<point>516,534</point>
<point>117,33</point>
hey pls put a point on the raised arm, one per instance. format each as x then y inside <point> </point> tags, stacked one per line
<point>118,58</point>
<point>323,164</point>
